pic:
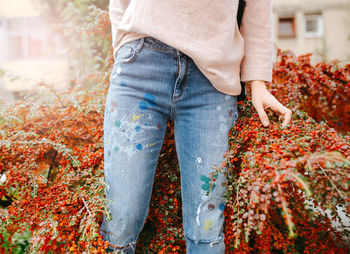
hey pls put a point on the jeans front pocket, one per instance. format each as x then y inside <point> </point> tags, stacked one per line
<point>127,51</point>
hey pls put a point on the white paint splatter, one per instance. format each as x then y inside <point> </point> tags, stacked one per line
<point>222,118</point>
<point>129,150</point>
<point>123,173</point>
<point>222,127</point>
<point>119,70</point>
<point>216,144</point>
<point>198,212</point>
<point>148,127</point>
<point>218,108</point>
<point>199,160</point>
<point>3,178</point>
<point>204,196</point>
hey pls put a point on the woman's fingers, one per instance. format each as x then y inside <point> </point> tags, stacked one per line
<point>286,115</point>
<point>282,112</point>
<point>262,114</point>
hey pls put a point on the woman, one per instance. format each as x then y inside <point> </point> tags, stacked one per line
<point>185,60</point>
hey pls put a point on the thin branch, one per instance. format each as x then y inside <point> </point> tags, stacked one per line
<point>335,187</point>
<point>86,206</point>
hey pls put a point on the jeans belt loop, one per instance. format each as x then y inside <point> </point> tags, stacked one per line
<point>140,44</point>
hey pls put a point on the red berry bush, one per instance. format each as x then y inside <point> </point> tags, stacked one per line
<point>52,182</point>
<point>322,90</point>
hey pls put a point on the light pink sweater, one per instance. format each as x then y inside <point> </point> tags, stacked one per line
<point>206,31</point>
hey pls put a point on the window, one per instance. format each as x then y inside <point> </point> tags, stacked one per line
<point>29,38</point>
<point>15,50</point>
<point>313,26</point>
<point>286,27</point>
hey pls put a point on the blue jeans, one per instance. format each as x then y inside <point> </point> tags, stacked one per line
<point>150,82</point>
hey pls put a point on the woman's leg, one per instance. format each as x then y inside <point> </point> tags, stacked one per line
<point>147,86</point>
<point>203,118</point>
<point>136,115</point>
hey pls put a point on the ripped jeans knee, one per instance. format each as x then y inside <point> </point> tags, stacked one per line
<point>205,246</point>
<point>204,233</point>
<point>127,249</point>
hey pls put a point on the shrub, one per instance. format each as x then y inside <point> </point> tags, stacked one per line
<point>51,161</point>
<point>52,157</point>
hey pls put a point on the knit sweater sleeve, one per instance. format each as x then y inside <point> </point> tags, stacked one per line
<point>256,29</point>
<point>116,12</point>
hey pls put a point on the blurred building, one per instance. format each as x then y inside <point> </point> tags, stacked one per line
<point>29,51</point>
<point>321,27</point>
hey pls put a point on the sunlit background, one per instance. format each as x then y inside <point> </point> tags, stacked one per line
<point>31,51</point>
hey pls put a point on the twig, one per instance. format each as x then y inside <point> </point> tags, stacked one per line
<point>86,206</point>
<point>335,187</point>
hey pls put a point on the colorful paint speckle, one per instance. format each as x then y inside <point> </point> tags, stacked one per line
<point>143,105</point>
<point>150,99</point>
<point>114,103</point>
<point>139,147</point>
<point>207,224</point>
<point>206,184</point>
<point>222,206</point>
<point>136,117</point>
<point>117,123</point>
<point>211,207</point>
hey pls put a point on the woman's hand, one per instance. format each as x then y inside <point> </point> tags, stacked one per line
<point>263,99</point>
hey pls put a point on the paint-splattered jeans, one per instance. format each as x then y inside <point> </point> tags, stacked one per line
<point>150,82</point>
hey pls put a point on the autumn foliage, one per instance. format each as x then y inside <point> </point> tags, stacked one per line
<point>52,182</point>
<point>322,90</point>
